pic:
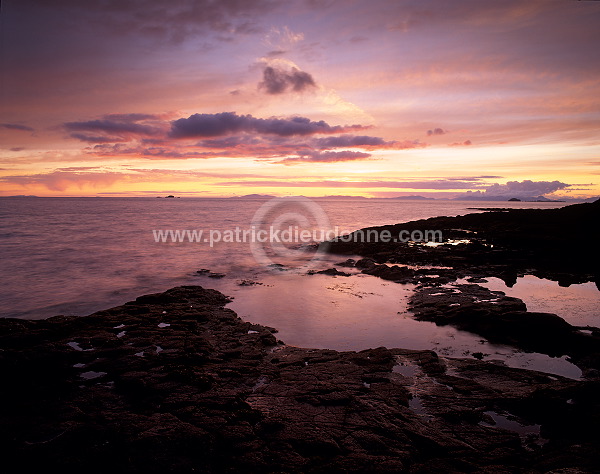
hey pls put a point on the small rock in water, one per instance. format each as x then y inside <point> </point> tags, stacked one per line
<point>329,271</point>
<point>477,280</point>
<point>248,283</point>
<point>209,273</point>
<point>277,266</point>
<point>90,375</point>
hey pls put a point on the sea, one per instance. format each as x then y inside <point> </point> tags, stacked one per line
<point>75,256</point>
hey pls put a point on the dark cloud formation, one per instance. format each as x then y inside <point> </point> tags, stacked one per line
<point>15,126</point>
<point>111,126</point>
<point>116,128</point>
<point>325,143</point>
<point>526,189</point>
<point>131,117</point>
<point>351,141</point>
<point>277,80</point>
<point>367,142</point>
<point>155,152</point>
<point>89,138</point>
<point>436,131</point>
<point>225,123</point>
<point>230,142</point>
<point>227,134</point>
<point>326,157</point>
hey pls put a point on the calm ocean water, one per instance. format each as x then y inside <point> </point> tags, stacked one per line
<point>77,255</point>
<point>80,255</point>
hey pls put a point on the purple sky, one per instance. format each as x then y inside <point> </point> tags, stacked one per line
<point>378,98</point>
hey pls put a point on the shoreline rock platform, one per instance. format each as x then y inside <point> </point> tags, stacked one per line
<point>176,382</point>
<point>554,244</point>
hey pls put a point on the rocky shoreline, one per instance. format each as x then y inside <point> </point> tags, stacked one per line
<point>556,244</point>
<point>548,244</point>
<point>176,382</point>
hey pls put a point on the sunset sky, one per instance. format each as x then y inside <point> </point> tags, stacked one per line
<point>317,97</point>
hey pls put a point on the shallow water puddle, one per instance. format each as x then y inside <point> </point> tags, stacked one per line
<point>413,372</point>
<point>416,405</point>
<point>577,304</point>
<point>361,312</point>
<point>75,345</point>
<point>447,242</point>
<point>527,432</point>
<point>405,369</point>
<point>90,375</point>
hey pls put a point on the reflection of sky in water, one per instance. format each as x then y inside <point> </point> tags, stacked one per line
<point>447,242</point>
<point>576,304</point>
<point>361,312</point>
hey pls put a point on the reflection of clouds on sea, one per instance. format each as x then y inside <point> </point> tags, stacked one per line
<point>361,312</point>
<point>77,256</point>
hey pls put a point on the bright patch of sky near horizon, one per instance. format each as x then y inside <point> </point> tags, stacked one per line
<point>399,97</point>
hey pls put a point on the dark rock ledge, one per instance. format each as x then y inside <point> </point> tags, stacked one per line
<point>557,244</point>
<point>505,320</point>
<point>175,382</point>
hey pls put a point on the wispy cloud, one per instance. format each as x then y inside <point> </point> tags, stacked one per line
<point>116,128</point>
<point>439,184</point>
<point>327,157</point>
<point>465,143</point>
<point>16,126</point>
<point>282,37</point>
<point>62,180</point>
<point>357,141</point>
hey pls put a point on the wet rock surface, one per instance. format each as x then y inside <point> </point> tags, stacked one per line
<point>175,382</point>
<point>554,244</point>
<point>557,244</point>
<point>505,320</point>
<point>328,271</point>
